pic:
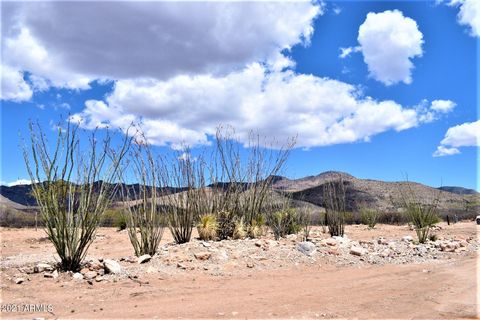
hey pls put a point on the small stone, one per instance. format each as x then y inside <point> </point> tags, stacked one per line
<point>181,266</point>
<point>77,276</point>
<point>206,244</point>
<point>151,269</point>
<point>90,275</point>
<point>112,266</point>
<point>144,258</point>
<point>202,255</point>
<point>84,271</point>
<point>291,237</point>
<point>258,243</point>
<point>382,241</point>
<point>358,251</point>
<point>19,280</point>
<point>98,278</point>
<point>407,238</point>
<point>250,265</point>
<point>43,267</point>
<point>234,313</point>
<point>52,275</point>
<point>221,314</point>
<point>307,248</point>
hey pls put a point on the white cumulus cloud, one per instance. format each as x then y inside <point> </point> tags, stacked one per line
<point>389,41</point>
<point>69,44</point>
<point>17,182</point>
<point>463,135</point>
<point>187,109</point>
<point>469,14</point>
<point>14,87</point>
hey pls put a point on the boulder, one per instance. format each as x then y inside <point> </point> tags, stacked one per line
<point>307,248</point>
<point>144,258</point>
<point>112,266</point>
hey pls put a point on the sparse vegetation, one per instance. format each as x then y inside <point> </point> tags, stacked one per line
<point>334,203</point>
<point>77,187</point>
<point>145,218</point>
<point>369,216</point>
<point>421,215</point>
<point>305,218</point>
<point>284,222</point>
<point>207,227</point>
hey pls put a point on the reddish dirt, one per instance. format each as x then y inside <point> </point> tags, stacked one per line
<point>445,289</point>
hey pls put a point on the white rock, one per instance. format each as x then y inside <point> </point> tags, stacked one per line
<point>19,280</point>
<point>90,275</point>
<point>40,267</point>
<point>112,266</point>
<point>407,238</point>
<point>77,276</point>
<point>307,248</point>
<point>53,275</point>
<point>358,251</point>
<point>144,258</point>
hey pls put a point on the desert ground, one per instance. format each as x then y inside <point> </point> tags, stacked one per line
<point>379,273</point>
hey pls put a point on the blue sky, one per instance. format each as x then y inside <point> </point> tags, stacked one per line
<point>388,109</point>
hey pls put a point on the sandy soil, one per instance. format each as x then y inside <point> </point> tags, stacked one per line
<point>443,288</point>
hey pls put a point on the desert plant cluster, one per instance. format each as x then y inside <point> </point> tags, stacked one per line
<point>225,193</point>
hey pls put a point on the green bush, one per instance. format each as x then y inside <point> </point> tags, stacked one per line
<point>207,227</point>
<point>284,222</point>
<point>369,217</point>
<point>114,218</point>
<point>423,217</point>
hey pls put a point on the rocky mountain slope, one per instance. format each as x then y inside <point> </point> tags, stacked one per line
<point>359,193</point>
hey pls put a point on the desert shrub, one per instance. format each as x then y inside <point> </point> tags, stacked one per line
<point>186,174</point>
<point>239,231</point>
<point>421,215</point>
<point>114,218</point>
<point>145,208</point>
<point>369,217</point>
<point>241,179</point>
<point>226,224</point>
<point>256,228</point>
<point>207,227</point>
<point>283,222</point>
<point>73,187</point>
<point>392,217</point>
<point>334,203</point>
<point>17,219</point>
<point>305,221</point>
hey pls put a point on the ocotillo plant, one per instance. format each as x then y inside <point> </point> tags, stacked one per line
<point>145,206</point>
<point>243,185</point>
<point>73,187</point>
<point>334,203</point>
<point>422,215</point>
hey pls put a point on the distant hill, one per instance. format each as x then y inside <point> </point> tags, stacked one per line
<point>366,192</point>
<point>359,192</point>
<point>458,190</point>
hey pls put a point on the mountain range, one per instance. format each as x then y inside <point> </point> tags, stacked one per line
<point>358,193</point>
